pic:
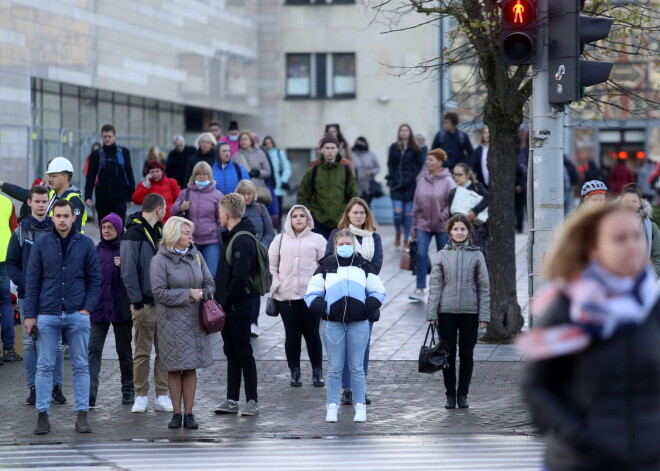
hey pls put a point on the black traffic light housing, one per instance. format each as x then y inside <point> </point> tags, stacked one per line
<point>518,38</point>
<point>568,33</point>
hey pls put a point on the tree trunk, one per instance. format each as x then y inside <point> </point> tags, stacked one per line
<point>506,319</point>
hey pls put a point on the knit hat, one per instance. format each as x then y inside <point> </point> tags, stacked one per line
<point>115,220</point>
<point>233,126</point>
<point>329,139</point>
<point>439,154</point>
<point>152,164</point>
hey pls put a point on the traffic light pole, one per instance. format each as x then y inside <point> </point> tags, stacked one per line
<point>546,162</point>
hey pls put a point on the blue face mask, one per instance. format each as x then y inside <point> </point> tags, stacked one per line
<point>345,251</point>
<point>233,138</point>
<point>202,184</point>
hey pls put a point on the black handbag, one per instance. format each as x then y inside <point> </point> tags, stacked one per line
<point>434,356</point>
<point>271,308</point>
<point>412,246</point>
<point>375,189</point>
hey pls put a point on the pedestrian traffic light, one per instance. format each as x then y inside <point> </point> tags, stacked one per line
<point>518,40</point>
<point>568,33</point>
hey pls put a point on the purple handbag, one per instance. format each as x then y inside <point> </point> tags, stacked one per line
<point>212,316</point>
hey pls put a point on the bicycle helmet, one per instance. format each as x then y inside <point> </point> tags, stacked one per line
<point>591,186</point>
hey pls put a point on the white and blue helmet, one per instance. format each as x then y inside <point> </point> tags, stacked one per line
<point>591,186</point>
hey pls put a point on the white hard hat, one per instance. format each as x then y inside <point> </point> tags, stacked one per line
<point>59,164</point>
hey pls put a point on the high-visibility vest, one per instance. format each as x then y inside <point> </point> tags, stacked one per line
<point>68,197</point>
<point>6,208</point>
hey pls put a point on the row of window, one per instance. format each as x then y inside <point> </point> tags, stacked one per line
<point>320,75</point>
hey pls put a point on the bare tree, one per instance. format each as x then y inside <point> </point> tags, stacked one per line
<point>505,91</point>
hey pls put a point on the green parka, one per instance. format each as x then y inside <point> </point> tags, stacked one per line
<point>327,193</point>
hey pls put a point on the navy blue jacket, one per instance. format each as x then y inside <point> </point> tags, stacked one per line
<point>57,283</point>
<point>20,246</point>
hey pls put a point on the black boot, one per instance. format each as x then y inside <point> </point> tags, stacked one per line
<point>347,397</point>
<point>175,422</point>
<point>32,398</point>
<point>296,382</point>
<point>43,424</point>
<point>317,377</point>
<point>82,425</point>
<point>189,422</point>
<point>128,397</point>
<point>462,402</point>
<point>451,401</point>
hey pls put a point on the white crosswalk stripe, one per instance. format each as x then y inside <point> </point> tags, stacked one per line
<point>428,452</point>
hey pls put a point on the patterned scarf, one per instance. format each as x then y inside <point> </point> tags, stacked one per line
<point>366,248</point>
<point>601,305</point>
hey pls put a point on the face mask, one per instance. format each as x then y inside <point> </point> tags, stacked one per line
<point>360,147</point>
<point>202,184</point>
<point>233,138</point>
<point>345,251</point>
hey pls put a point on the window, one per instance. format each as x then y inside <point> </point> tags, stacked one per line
<point>320,75</point>
<point>343,74</point>
<point>298,75</point>
<point>299,159</point>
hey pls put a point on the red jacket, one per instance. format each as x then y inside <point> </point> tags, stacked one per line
<point>168,188</point>
<point>620,176</point>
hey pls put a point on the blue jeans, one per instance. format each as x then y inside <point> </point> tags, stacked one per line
<point>6,317</point>
<point>423,242</point>
<point>211,254</point>
<point>30,356</point>
<point>402,217</point>
<point>51,327</point>
<point>346,372</point>
<point>341,341</point>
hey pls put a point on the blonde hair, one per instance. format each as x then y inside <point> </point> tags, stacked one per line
<point>154,153</point>
<point>172,231</point>
<point>234,204</point>
<point>569,255</point>
<point>343,233</point>
<point>208,136</point>
<point>250,135</point>
<point>369,222</point>
<point>201,167</point>
<point>246,186</point>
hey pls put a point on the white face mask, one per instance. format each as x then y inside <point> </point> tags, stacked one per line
<point>202,184</point>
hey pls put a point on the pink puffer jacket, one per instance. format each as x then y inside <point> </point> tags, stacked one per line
<point>293,260</point>
<point>431,205</point>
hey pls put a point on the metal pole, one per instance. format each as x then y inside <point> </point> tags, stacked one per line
<point>547,161</point>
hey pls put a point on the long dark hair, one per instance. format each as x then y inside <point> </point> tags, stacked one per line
<point>411,144</point>
<point>268,138</point>
<point>470,174</point>
<point>340,136</point>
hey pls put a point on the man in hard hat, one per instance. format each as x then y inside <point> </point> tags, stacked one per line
<point>111,175</point>
<point>59,175</point>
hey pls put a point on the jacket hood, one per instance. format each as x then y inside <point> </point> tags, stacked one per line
<point>444,173</point>
<point>310,221</point>
<point>646,210</point>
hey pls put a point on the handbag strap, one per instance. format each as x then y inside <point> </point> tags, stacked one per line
<point>430,330</point>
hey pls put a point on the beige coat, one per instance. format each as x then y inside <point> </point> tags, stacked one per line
<point>293,264</point>
<point>182,342</point>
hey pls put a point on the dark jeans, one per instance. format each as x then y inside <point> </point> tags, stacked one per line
<point>466,328</point>
<point>123,337</point>
<point>254,315</point>
<point>103,208</point>
<point>240,360</point>
<point>520,201</point>
<point>346,374</point>
<point>6,314</point>
<point>321,229</point>
<point>299,322</point>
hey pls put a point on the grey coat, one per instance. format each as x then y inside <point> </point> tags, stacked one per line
<point>459,283</point>
<point>182,342</point>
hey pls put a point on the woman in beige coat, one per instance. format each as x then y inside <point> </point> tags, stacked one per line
<point>294,256</point>
<point>180,281</point>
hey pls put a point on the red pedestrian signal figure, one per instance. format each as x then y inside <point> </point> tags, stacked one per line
<point>518,10</point>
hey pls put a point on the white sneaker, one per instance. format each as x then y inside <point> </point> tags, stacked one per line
<point>163,404</point>
<point>331,413</point>
<point>254,330</point>
<point>141,404</point>
<point>418,295</point>
<point>360,413</point>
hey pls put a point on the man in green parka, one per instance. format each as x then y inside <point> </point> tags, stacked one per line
<point>327,188</point>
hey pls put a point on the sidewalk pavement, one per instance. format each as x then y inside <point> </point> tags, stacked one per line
<point>405,402</point>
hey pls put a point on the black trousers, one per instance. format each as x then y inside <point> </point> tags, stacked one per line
<point>240,360</point>
<point>321,229</point>
<point>462,329</point>
<point>520,201</point>
<point>254,315</point>
<point>103,208</point>
<point>298,323</point>
<point>123,337</point>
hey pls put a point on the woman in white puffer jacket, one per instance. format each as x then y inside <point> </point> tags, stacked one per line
<point>294,256</point>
